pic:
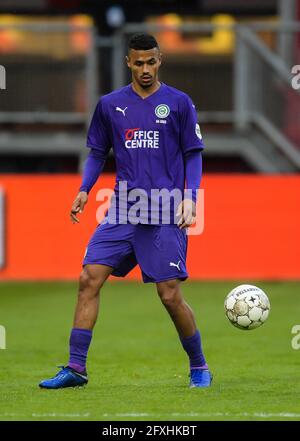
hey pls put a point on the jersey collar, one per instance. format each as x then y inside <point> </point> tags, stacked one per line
<point>162,86</point>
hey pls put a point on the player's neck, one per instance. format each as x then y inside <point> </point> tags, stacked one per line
<point>144,93</point>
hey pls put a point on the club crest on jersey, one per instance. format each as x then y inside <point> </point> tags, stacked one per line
<point>162,111</point>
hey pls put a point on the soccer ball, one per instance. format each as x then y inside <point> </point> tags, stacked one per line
<point>247,307</point>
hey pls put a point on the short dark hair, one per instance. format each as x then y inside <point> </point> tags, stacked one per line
<point>142,42</point>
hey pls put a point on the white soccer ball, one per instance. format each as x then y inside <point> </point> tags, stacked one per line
<point>247,307</point>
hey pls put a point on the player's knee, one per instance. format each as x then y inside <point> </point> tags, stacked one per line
<point>168,293</point>
<point>88,282</point>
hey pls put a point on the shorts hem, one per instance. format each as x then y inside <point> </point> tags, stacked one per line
<point>164,279</point>
<point>98,263</point>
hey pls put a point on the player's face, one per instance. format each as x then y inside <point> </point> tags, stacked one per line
<point>144,66</point>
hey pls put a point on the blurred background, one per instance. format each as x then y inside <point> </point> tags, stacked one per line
<point>233,57</point>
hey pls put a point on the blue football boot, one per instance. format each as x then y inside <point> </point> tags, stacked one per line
<point>200,378</point>
<point>66,377</point>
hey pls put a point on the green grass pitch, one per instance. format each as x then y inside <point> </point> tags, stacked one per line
<point>137,369</point>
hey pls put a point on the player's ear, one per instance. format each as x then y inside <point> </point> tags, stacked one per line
<point>160,58</point>
<point>127,60</point>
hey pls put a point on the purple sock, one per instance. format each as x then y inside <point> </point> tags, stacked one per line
<point>80,340</point>
<point>192,346</point>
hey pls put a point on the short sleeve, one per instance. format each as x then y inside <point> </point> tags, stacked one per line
<point>98,136</point>
<point>190,134</point>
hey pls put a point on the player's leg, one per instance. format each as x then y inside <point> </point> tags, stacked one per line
<point>183,318</point>
<point>165,264</point>
<point>109,252</point>
<point>105,255</point>
<point>91,280</point>
<point>180,312</point>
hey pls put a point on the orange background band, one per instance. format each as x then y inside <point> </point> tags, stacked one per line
<point>251,231</point>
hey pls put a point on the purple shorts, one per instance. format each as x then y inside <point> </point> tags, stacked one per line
<point>160,251</point>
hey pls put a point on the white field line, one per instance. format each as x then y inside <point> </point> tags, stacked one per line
<point>46,415</point>
<point>61,415</point>
<point>162,415</point>
<point>208,414</point>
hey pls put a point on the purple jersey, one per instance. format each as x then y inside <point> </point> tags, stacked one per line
<point>149,136</point>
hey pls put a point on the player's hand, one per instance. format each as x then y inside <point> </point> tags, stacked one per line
<point>78,206</point>
<point>187,212</point>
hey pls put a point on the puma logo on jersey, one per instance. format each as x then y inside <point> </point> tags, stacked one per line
<point>175,264</point>
<point>118,109</point>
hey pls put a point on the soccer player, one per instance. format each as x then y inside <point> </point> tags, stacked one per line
<point>157,144</point>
